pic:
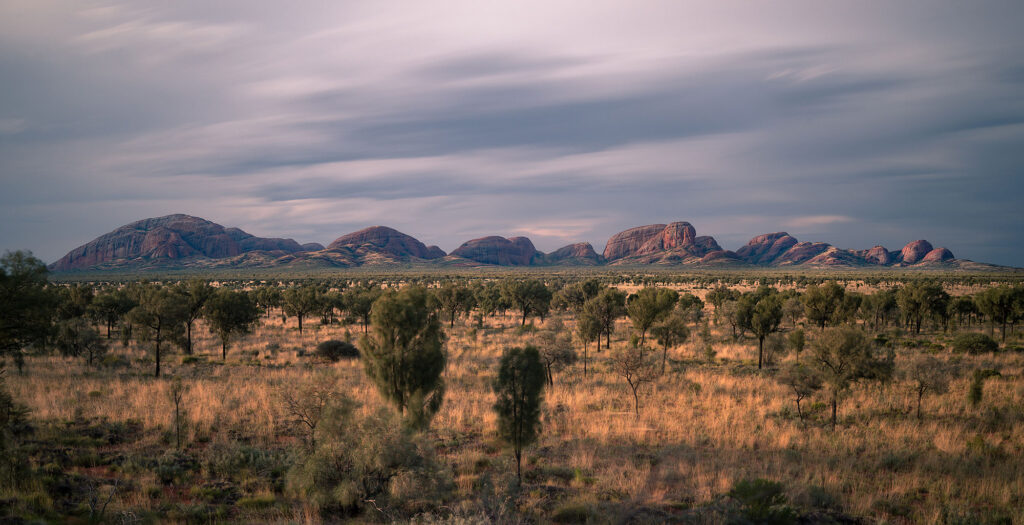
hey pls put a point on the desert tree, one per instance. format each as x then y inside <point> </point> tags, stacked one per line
<point>926,374</point>
<point>574,296</point>
<point>648,306</point>
<point>529,296</point>
<point>604,309</point>
<point>268,297</point>
<point>822,303</point>
<point>15,467</point>
<point>637,368</point>
<point>733,313</point>
<point>300,302</point>
<point>964,308</point>
<point>159,316</point>
<point>802,381</point>
<point>920,300</point>
<point>793,310</point>
<point>74,301</point>
<point>842,356</point>
<point>110,307</point>
<point>556,350</point>
<point>878,308</point>
<point>669,333</point>
<point>195,293</point>
<point>691,307</point>
<point>230,313</point>
<point>331,301</point>
<point>976,392</point>
<point>761,313</point>
<point>519,388</point>
<point>488,299</point>
<point>26,305</point>
<point>359,302</point>
<point>849,307</point>
<point>454,299</point>
<point>775,347</point>
<point>718,296</point>
<point>588,330</point>
<point>797,339</point>
<point>308,402</point>
<point>176,394</point>
<point>76,337</point>
<point>404,353</point>
<point>997,304</point>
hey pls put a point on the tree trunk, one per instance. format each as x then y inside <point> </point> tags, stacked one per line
<point>760,351</point>
<point>188,335</point>
<point>664,359</point>
<point>224,349</point>
<point>300,323</point>
<point>834,402</point>
<point>585,344</point>
<point>157,358</point>
<point>920,394</point>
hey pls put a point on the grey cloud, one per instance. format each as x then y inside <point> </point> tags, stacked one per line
<point>909,127</point>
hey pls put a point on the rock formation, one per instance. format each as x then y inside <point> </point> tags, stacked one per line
<point>765,249</point>
<point>387,241</point>
<point>658,243</point>
<point>514,251</point>
<point>913,252</point>
<point>581,253</point>
<point>937,255</point>
<point>183,241</point>
<point>169,238</point>
<point>878,255</point>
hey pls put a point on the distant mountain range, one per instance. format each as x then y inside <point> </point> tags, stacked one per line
<point>183,242</point>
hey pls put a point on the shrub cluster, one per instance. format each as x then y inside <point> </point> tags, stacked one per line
<point>335,350</point>
<point>974,343</point>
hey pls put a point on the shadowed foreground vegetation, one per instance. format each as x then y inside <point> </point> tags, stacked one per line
<point>711,403</point>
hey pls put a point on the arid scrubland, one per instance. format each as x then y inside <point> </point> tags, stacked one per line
<point>711,421</point>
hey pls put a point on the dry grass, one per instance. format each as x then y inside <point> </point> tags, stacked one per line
<point>702,426</point>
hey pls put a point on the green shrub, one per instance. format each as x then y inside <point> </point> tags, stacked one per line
<point>335,351</point>
<point>762,501</point>
<point>375,458</point>
<point>573,513</point>
<point>973,343</point>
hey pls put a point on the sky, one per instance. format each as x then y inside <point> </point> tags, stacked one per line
<point>854,123</point>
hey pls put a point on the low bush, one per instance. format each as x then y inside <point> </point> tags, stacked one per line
<point>335,351</point>
<point>973,343</point>
<point>382,462</point>
<point>762,501</point>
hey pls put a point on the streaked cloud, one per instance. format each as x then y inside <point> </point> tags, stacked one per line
<point>840,122</point>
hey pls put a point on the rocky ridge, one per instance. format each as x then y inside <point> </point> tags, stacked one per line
<point>169,238</point>
<point>182,241</point>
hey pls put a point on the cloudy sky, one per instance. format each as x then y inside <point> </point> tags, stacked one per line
<point>856,123</point>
